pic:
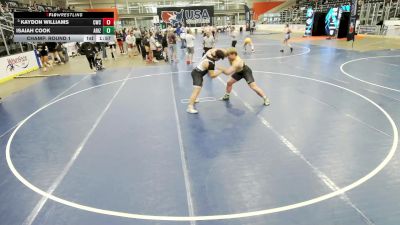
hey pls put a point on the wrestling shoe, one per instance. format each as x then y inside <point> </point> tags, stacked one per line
<point>225,97</point>
<point>191,110</point>
<point>266,101</point>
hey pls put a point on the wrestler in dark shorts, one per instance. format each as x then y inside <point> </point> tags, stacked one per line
<point>246,73</point>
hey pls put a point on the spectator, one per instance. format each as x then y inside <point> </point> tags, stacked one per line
<point>190,46</point>
<point>60,53</point>
<point>146,44</point>
<point>172,47</point>
<point>89,50</point>
<point>113,46</point>
<point>252,27</point>
<point>234,35</point>
<point>43,53</point>
<point>164,44</point>
<point>183,36</point>
<point>120,41</point>
<point>138,38</point>
<point>124,44</point>
<point>52,47</point>
<point>153,48</point>
<point>208,43</point>
<point>131,42</point>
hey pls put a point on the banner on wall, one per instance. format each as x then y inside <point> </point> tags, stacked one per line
<point>18,64</point>
<point>188,16</point>
<point>332,21</point>
<point>309,22</point>
<point>247,17</point>
<point>352,21</point>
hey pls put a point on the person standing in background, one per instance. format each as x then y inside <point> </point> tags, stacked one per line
<point>159,36</point>
<point>60,52</point>
<point>120,42</point>
<point>252,27</point>
<point>153,47</point>
<point>208,43</point>
<point>183,37</point>
<point>234,36</point>
<point>124,44</point>
<point>178,31</point>
<point>131,41</point>
<point>214,32</point>
<point>164,44</point>
<point>113,46</point>
<point>286,38</point>
<point>146,44</point>
<point>53,52</point>
<point>89,50</point>
<point>138,37</point>
<point>172,46</point>
<point>190,46</point>
<point>42,49</point>
<point>142,46</point>
<point>103,46</point>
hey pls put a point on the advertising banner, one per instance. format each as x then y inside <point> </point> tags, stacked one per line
<point>188,16</point>
<point>247,17</point>
<point>17,64</point>
<point>309,22</point>
<point>352,22</point>
<point>332,21</point>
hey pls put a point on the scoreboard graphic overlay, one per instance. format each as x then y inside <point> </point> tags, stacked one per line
<point>63,27</point>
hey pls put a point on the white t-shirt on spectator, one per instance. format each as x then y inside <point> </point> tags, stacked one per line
<point>137,34</point>
<point>153,45</point>
<point>190,40</point>
<point>209,42</point>
<point>130,39</point>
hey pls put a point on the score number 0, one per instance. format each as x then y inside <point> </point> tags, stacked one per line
<point>108,21</point>
<point>108,25</point>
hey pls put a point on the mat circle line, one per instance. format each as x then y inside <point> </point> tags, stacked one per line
<point>321,198</point>
<point>364,81</point>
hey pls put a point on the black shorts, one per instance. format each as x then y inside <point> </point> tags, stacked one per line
<point>234,43</point>
<point>206,50</point>
<point>246,73</point>
<point>197,77</point>
<point>43,53</point>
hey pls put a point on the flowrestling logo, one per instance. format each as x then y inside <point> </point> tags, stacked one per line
<point>196,15</point>
<point>17,62</point>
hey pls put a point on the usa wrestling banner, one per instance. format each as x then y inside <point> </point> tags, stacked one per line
<point>187,16</point>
